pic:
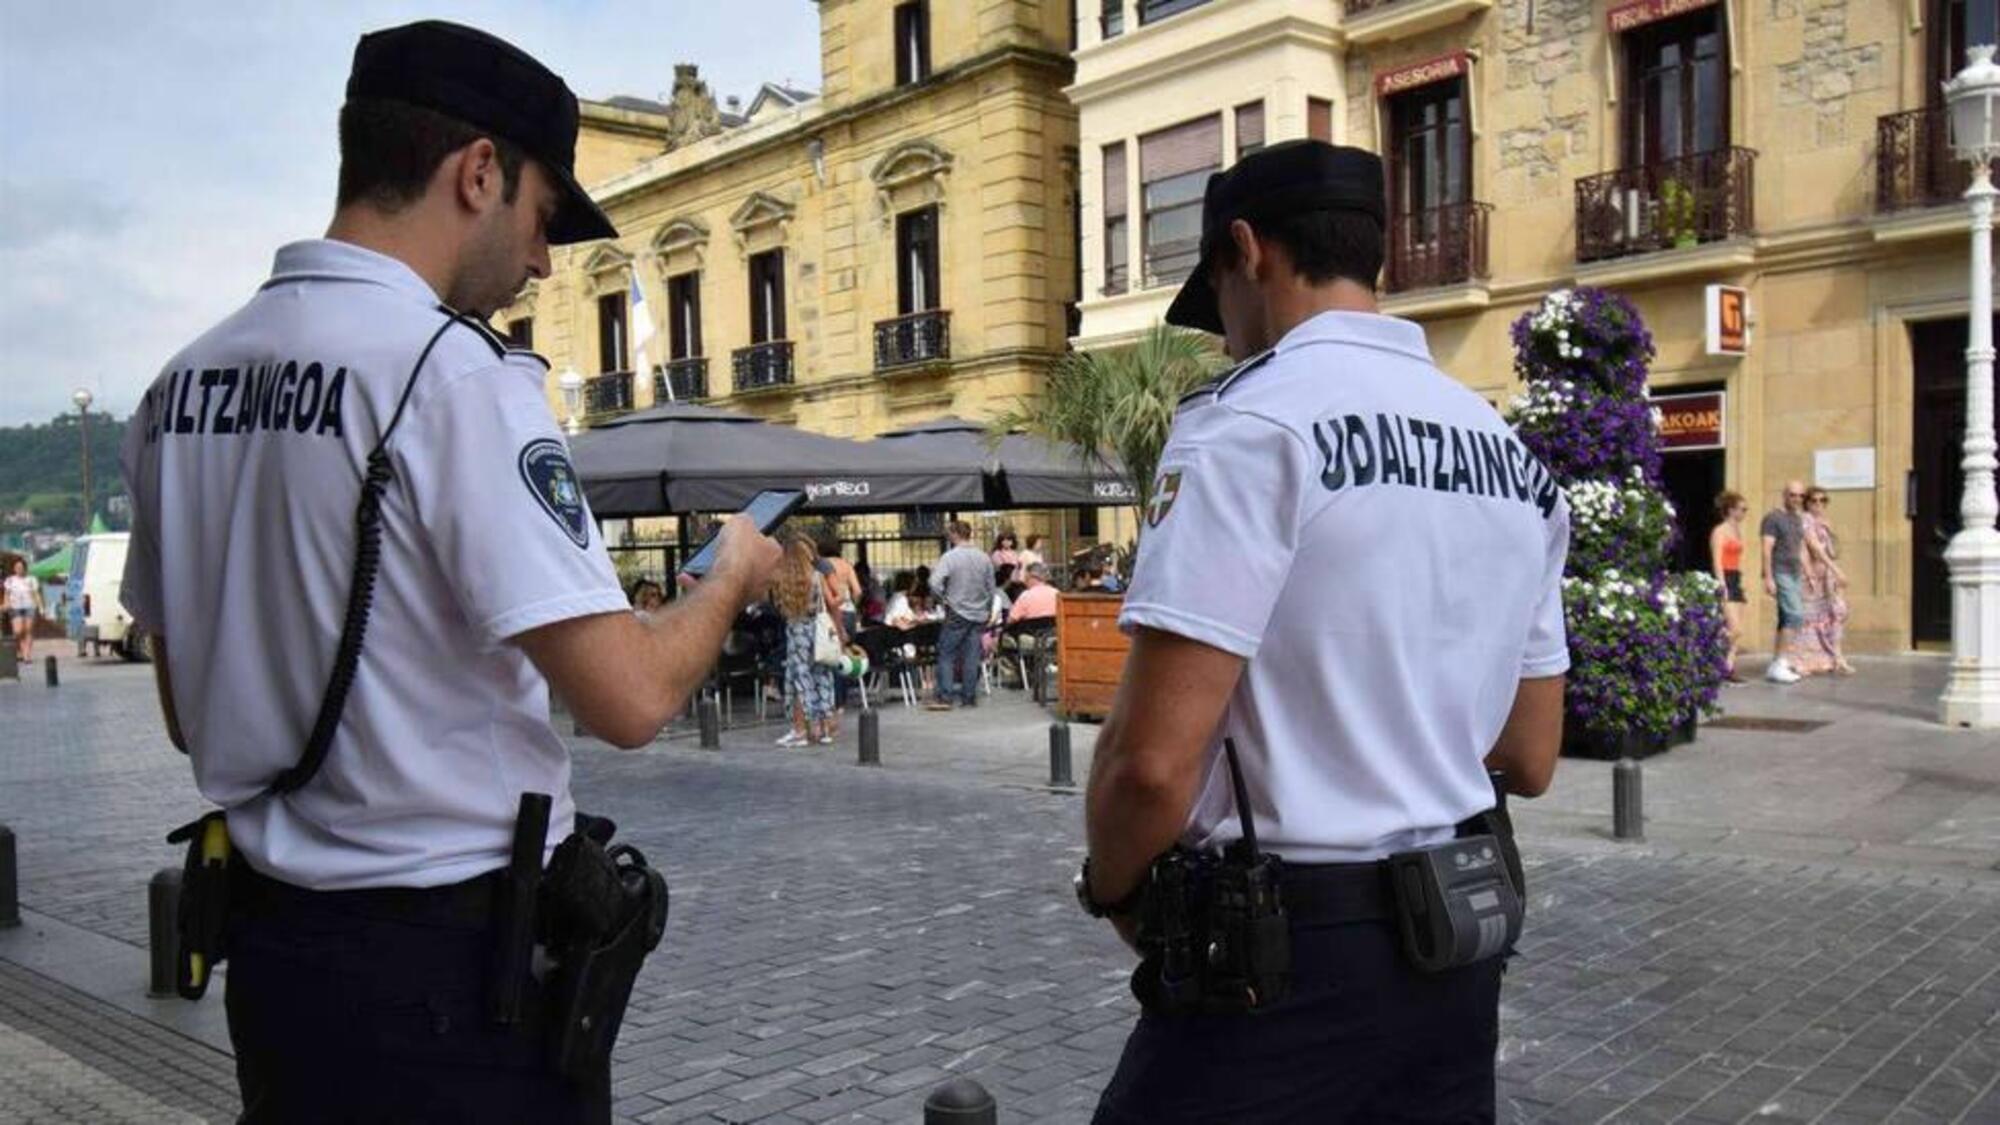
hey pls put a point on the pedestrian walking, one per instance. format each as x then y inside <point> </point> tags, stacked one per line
<point>24,608</point>
<point>1783,535</point>
<point>800,594</point>
<point>1725,552</point>
<point>963,583</point>
<point>1277,738</point>
<point>357,423</point>
<point>1816,648</point>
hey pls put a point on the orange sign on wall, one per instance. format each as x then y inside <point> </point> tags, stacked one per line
<point>1727,309</point>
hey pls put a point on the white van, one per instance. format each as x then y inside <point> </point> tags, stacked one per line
<point>96,570</point>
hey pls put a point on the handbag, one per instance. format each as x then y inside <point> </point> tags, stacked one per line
<point>826,637</point>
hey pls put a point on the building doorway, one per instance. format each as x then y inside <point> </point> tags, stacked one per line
<point>1693,463</point>
<point>1930,498</point>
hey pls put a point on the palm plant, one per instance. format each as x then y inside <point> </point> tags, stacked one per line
<point>1118,402</point>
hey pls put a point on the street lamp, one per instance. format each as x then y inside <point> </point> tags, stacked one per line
<point>1972,694</point>
<point>82,400</point>
<point>572,392</point>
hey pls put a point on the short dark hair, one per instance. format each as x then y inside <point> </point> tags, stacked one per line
<point>389,150</point>
<point>1323,245</point>
<point>829,547</point>
<point>960,529</point>
<point>1727,502</point>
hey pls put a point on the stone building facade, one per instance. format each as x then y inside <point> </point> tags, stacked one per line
<point>896,247</point>
<point>1789,149</point>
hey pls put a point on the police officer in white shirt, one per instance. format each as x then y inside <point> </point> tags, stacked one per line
<point>1384,626</point>
<point>361,928</point>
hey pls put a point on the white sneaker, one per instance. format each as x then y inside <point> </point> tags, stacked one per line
<point>792,738</point>
<point>1781,672</point>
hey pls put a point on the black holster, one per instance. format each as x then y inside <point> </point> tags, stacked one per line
<point>203,909</point>
<point>600,912</point>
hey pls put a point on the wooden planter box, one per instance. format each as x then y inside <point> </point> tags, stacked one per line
<point>1090,652</point>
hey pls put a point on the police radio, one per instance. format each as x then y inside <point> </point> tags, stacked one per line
<point>1214,927</point>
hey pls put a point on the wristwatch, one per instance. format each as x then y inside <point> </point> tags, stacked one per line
<point>1127,905</point>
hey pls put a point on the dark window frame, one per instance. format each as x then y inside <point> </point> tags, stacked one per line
<point>1415,116</point>
<point>684,316</point>
<point>1655,58</point>
<point>767,296</point>
<point>1111,19</point>
<point>913,42</point>
<point>1954,25</point>
<point>1251,111</point>
<point>1172,200</point>
<point>917,238</point>
<point>614,340</point>
<point>1117,221</point>
<point>521,332</point>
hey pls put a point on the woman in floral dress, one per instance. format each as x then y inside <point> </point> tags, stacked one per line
<point>1818,643</point>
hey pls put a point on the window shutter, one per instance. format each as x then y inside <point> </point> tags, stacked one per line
<point>1192,147</point>
<point>1114,181</point>
<point>1319,119</point>
<point>1249,127</point>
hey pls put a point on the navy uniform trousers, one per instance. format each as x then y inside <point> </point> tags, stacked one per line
<point>370,1006</point>
<point>1364,1037</point>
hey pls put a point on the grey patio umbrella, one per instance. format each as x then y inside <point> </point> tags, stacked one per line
<point>682,457</point>
<point>1025,471</point>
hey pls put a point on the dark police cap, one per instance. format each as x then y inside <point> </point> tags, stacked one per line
<point>1284,179</point>
<point>489,84</point>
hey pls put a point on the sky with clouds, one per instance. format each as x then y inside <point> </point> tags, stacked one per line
<point>154,154</point>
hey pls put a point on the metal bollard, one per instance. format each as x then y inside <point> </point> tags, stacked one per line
<point>163,908</point>
<point>10,660</point>
<point>709,713</point>
<point>871,737</point>
<point>10,882</point>
<point>49,666</point>
<point>961,1101</point>
<point>1060,773</point>
<point>1628,816</point>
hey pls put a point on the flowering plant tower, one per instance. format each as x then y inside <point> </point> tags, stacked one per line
<point>1648,647</point>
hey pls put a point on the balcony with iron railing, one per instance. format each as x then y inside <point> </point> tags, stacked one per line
<point>681,380</point>
<point>1437,246</point>
<point>1371,21</point>
<point>762,366</point>
<point>923,337</point>
<point>607,394</point>
<point>1914,165</point>
<point>1676,204</point>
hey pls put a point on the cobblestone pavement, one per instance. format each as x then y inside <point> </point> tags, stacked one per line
<point>66,1058</point>
<point>842,939</point>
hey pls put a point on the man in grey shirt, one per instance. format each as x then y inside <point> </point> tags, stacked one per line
<point>963,582</point>
<point>1783,533</point>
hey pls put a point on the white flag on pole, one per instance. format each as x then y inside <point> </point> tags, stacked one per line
<point>642,329</point>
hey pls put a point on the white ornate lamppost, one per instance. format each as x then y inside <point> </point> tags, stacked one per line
<point>572,392</point>
<point>1972,694</point>
<point>82,400</point>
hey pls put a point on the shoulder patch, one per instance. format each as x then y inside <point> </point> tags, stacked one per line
<point>1220,385</point>
<point>546,471</point>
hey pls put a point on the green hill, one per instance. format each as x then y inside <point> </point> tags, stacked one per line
<point>41,470</point>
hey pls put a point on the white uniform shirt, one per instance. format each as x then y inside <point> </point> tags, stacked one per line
<point>1371,537</point>
<point>244,463</point>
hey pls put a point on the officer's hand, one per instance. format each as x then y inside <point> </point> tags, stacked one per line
<point>1770,585</point>
<point>744,559</point>
<point>1127,926</point>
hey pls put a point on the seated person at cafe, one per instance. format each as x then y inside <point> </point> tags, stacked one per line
<point>1038,598</point>
<point>900,612</point>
